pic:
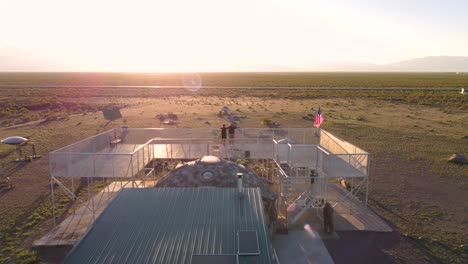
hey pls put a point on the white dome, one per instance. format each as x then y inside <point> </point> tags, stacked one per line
<point>210,159</point>
<point>14,140</point>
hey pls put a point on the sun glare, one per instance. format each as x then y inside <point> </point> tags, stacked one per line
<point>211,35</point>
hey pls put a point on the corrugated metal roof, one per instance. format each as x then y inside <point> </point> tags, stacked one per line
<point>169,225</point>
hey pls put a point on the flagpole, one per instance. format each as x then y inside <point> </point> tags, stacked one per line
<point>320,124</point>
<point>318,121</point>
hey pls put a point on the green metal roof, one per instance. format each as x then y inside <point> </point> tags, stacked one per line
<point>169,225</point>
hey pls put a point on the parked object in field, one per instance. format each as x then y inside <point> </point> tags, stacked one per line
<point>167,119</point>
<point>20,142</point>
<point>15,140</point>
<point>458,159</point>
<point>224,111</point>
<point>112,113</point>
<point>234,119</point>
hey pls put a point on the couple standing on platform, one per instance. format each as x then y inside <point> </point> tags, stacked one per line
<point>231,129</point>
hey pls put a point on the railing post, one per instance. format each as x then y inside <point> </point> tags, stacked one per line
<point>89,190</point>
<point>145,156</point>
<point>316,157</point>
<point>325,191</point>
<point>138,162</point>
<point>68,164</point>
<point>143,153</point>
<point>94,165</point>
<point>53,198</point>
<point>367,178</point>
<point>275,151</point>
<point>113,167</point>
<point>73,189</point>
<point>131,171</point>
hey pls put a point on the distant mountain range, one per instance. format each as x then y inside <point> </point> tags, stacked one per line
<point>430,64</point>
<point>12,60</point>
<point>425,64</point>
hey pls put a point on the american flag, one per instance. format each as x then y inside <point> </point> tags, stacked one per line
<point>319,118</point>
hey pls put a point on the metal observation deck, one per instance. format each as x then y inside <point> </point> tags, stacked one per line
<point>307,160</point>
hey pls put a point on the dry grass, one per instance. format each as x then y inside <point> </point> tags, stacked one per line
<point>411,182</point>
<point>261,79</point>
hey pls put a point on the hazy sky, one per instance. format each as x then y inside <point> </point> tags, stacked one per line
<point>208,35</point>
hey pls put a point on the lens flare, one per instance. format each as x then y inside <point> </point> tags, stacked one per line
<point>309,231</point>
<point>192,81</point>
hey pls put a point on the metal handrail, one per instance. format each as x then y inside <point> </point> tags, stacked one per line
<point>324,150</point>
<point>83,140</point>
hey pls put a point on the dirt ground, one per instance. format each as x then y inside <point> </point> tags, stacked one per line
<point>374,247</point>
<point>411,184</point>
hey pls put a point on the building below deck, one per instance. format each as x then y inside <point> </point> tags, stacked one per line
<point>178,225</point>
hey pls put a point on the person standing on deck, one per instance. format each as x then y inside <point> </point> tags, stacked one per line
<point>232,129</point>
<point>224,134</point>
<point>328,219</point>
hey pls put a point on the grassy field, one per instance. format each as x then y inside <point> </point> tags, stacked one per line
<point>290,79</point>
<point>19,105</point>
<point>410,135</point>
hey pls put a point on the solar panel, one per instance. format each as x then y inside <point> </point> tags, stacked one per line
<point>214,259</point>
<point>248,243</point>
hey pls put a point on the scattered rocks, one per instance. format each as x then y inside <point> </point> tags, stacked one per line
<point>6,184</point>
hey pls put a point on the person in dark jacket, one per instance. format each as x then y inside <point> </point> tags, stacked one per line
<point>232,130</point>
<point>224,134</point>
<point>328,218</point>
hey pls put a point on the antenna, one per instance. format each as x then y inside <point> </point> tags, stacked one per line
<point>239,183</point>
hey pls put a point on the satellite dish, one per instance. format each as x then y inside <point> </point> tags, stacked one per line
<point>14,140</point>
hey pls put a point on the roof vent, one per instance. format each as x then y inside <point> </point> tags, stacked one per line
<point>239,182</point>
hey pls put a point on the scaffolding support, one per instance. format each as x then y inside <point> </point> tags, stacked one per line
<point>93,158</point>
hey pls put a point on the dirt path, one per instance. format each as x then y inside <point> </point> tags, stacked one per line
<point>375,247</point>
<point>31,183</point>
